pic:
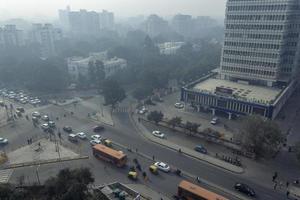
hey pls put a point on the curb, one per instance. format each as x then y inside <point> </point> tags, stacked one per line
<point>192,156</point>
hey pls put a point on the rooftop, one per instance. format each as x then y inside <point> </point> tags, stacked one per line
<point>239,90</point>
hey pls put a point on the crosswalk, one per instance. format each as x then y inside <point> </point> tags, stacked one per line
<point>5,175</point>
<point>121,110</point>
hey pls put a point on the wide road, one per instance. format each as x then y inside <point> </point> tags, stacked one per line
<point>124,133</point>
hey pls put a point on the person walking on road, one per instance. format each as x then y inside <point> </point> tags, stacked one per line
<point>275,185</point>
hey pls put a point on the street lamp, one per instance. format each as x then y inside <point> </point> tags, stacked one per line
<point>37,174</point>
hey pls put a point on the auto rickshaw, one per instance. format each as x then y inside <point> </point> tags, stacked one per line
<point>153,169</point>
<point>132,175</point>
<point>107,143</point>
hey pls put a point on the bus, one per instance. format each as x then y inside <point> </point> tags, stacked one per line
<point>190,191</point>
<point>110,155</point>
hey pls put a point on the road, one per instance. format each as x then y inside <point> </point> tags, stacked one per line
<point>124,133</point>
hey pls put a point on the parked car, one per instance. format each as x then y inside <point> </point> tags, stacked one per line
<point>21,109</point>
<point>81,135</point>
<point>96,137</point>
<point>94,142</point>
<point>45,126</point>
<point>98,129</point>
<point>51,124</point>
<point>36,114</point>
<point>158,134</point>
<point>162,166</point>
<point>3,141</point>
<point>2,103</point>
<point>72,138</point>
<point>67,129</point>
<point>35,119</point>
<point>214,121</point>
<point>201,149</point>
<point>45,118</point>
<point>179,105</point>
<point>245,189</point>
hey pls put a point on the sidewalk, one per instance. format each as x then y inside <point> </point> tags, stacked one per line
<point>147,192</point>
<point>211,160</point>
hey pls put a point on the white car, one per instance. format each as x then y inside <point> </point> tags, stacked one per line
<point>45,117</point>
<point>158,134</point>
<point>162,166</point>
<point>36,114</point>
<point>94,142</point>
<point>3,141</point>
<point>81,135</point>
<point>45,126</point>
<point>179,105</point>
<point>96,137</point>
<point>214,121</point>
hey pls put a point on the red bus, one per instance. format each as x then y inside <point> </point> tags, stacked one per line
<point>190,191</point>
<point>110,155</point>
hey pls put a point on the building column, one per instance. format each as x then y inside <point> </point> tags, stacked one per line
<point>229,116</point>
<point>213,111</point>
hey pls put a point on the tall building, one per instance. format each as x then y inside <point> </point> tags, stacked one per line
<point>182,24</point>
<point>46,36</point>
<point>85,23</point>
<point>10,36</point>
<point>261,41</point>
<point>155,25</point>
<point>259,64</point>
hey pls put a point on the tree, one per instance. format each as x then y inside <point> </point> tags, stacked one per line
<point>113,92</point>
<point>262,137</point>
<point>191,127</point>
<point>155,116</point>
<point>99,73</point>
<point>91,72</point>
<point>175,121</point>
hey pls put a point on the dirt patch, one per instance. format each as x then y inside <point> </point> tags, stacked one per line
<point>3,158</point>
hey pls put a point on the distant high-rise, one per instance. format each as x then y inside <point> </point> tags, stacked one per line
<point>155,25</point>
<point>261,41</point>
<point>86,23</point>
<point>182,24</point>
<point>10,36</point>
<point>46,36</point>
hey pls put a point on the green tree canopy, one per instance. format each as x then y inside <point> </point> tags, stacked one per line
<point>113,92</point>
<point>263,137</point>
<point>175,121</point>
<point>155,116</point>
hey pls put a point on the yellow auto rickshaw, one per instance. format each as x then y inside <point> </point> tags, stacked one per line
<point>107,143</point>
<point>153,169</point>
<point>132,175</point>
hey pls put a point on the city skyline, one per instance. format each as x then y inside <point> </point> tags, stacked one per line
<point>122,8</point>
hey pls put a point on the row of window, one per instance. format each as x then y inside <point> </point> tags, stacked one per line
<point>252,45</point>
<point>273,7</point>
<point>254,26</point>
<point>253,36</point>
<point>250,54</point>
<point>250,62</point>
<point>248,71</point>
<point>257,17</point>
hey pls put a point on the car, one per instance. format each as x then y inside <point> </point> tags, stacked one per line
<point>45,117</point>
<point>162,166</point>
<point>98,128</point>
<point>72,137</point>
<point>214,121</point>
<point>96,137</point>
<point>245,189</point>
<point>45,126</point>
<point>2,103</point>
<point>81,135</point>
<point>36,114</point>
<point>143,110</point>
<point>51,124</point>
<point>21,109</point>
<point>158,134</point>
<point>3,141</point>
<point>94,142</point>
<point>179,105</point>
<point>67,129</point>
<point>35,119</point>
<point>201,149</point>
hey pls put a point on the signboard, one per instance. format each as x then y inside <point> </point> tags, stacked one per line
<point>224,90</point>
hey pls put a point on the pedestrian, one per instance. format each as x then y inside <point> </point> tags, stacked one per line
<point>136,150</point>
<point>27,141</point>
<point>287,194</point>
<point>153,158</point>
<point>287,184</point>
<point>179,150</point>
<point>275,185</point>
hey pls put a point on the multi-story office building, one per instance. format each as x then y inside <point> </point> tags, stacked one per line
<point>155,25</point>
<point>182,24</point>
<point>261,41</point>
<point>46,36</point>
<point>259,64</point>
<point>107,20</point>
<point>10,36</point>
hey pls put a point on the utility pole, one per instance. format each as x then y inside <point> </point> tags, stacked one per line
<point>37,174</point>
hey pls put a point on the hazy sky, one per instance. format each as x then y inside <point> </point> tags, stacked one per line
<point>121,8</point>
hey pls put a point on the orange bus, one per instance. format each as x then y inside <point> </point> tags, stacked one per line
<point>190,191</point>
<point>110,155</point>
